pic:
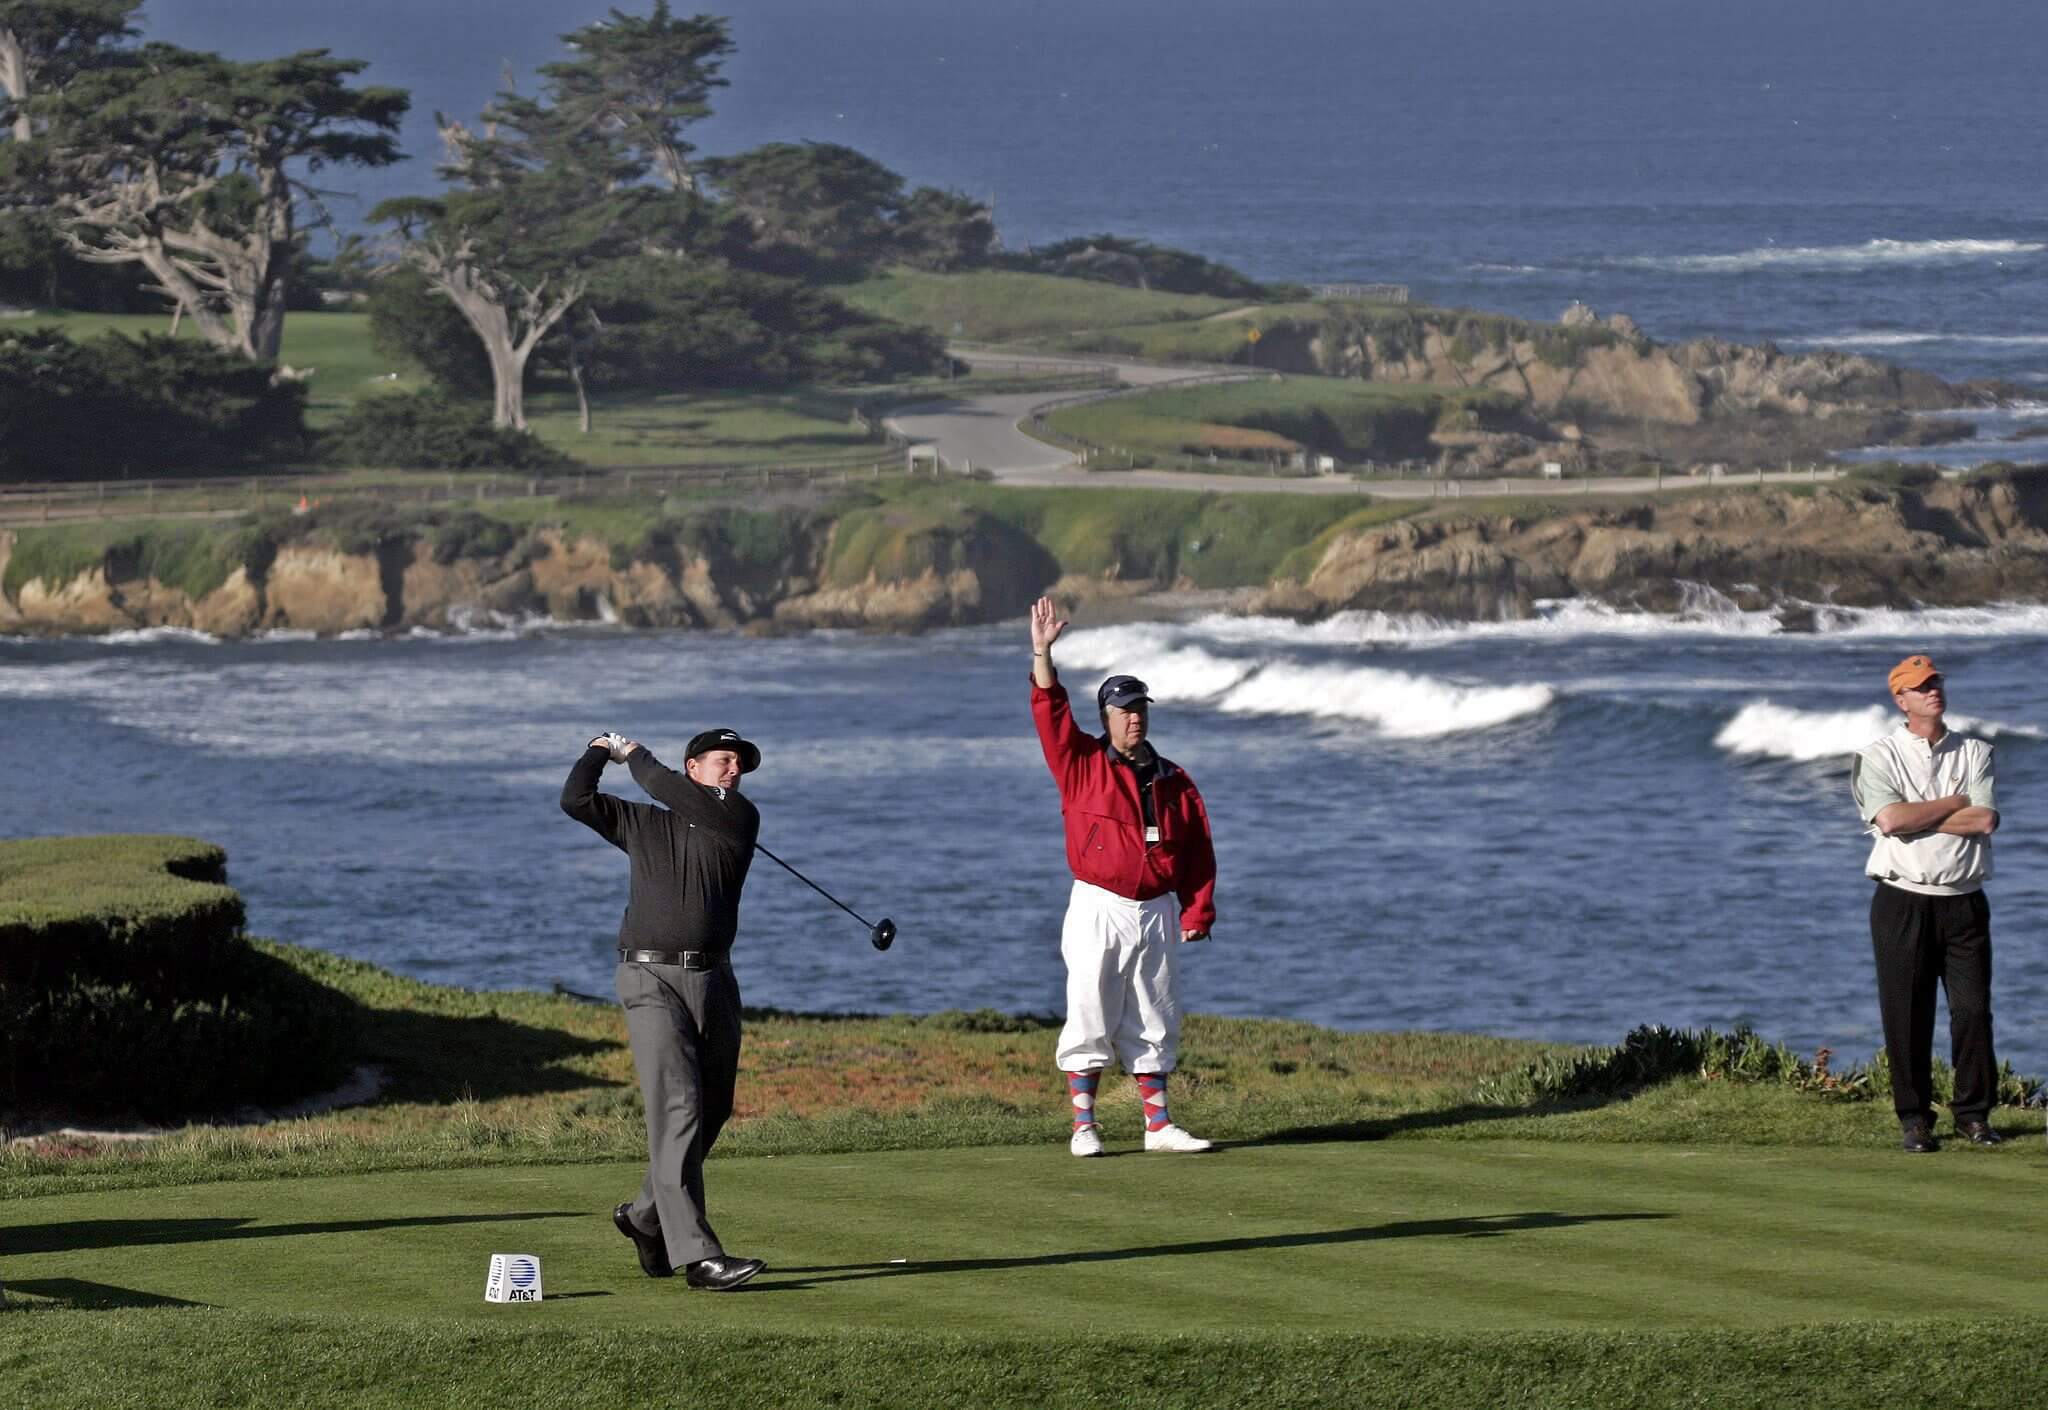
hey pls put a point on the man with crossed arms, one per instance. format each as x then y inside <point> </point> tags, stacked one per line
<point>1925,793</point>
<point>1144,882</point>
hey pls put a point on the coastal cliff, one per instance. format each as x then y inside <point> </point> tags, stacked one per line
<point>872,569</point>
<point>913,565</point>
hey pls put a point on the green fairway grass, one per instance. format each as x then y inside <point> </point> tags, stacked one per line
<point>1008,306</point>
<point>1220,337</point>
<point>1335,415</point>
<point>1386,1223</point>
<point>1333,1236</point>
<point>1010,1254</point>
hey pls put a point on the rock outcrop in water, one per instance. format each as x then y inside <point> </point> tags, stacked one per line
<point>1948,544</point>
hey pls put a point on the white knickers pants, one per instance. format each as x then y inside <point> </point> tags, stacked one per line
<point>1121,956</point>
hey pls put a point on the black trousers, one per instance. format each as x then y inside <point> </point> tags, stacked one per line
<point>1921,941</point>
<point>684,1026</point>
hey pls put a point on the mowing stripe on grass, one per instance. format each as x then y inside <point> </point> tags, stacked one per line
<point>1360,1237</point>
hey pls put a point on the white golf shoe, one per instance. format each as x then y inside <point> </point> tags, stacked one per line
<point>1086,1140</point>
<point>1176,1141</point>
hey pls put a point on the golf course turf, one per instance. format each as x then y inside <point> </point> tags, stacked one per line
<point>1410,1219</point>
<point>1523,1272</point>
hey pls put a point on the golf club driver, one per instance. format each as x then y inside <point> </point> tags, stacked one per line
<point>881,935</point>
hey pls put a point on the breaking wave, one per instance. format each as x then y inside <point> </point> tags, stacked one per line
<point>1871,254</point>
<point>1779,732</point>
<point>1396,704</point>
<point>1905,340</point>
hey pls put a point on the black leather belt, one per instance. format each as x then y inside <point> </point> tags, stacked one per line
<point>685,959</point>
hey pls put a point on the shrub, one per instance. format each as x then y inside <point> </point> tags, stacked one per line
<point>468,534</point>
<point>1892,475</point>
<point>1118,259</point>
<point>432,431</point>
<point>126,987</point>
<point>671,326</point>
<point>1653,1054</point>
<point>114,406</point>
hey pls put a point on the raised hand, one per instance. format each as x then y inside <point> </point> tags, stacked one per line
<point>1046,625</point>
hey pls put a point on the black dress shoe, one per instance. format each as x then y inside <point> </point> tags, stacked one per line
<point>1918,1138</point>
<point>1978,1133</point>
<point>721,1274</point>
<point>652,1250</point>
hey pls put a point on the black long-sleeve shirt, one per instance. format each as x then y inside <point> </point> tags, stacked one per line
<point>689,857</point>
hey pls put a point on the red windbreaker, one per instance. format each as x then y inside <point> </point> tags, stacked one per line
<point>1106,825</point>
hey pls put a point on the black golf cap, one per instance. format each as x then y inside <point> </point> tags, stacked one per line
<point>1124,692</point>
<point>750,757</point>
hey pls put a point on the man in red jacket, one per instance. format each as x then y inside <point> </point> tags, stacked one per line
<point>1144,877</point>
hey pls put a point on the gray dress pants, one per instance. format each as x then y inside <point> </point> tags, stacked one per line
<point>684,1026</point>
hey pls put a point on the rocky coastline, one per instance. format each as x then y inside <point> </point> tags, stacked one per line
<point>1947,543</point>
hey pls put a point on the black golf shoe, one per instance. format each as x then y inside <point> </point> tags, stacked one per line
<point>1978,1132</point>
<point>1917,1138</point>
<point>721,1274</point>
<point>652,1250</point>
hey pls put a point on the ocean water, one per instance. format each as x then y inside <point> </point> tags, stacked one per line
<point>1559,828</point>
<point>1864,174</point>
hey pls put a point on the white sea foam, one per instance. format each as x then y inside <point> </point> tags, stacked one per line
<point>1153,652</point>
<point>1397,704</point>
<point>1706,613</point>
<point>1927,623</point>
<point>146,636</point>
<point>1903,340</point>
<point>1780,732</point>
<point>1871,254</point>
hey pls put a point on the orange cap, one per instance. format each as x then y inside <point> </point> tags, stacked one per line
<point>1911,672</point>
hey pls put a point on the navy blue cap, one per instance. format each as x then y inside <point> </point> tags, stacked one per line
<point>1122,692</point>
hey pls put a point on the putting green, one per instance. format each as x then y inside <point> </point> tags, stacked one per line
<point>1356,1237</point>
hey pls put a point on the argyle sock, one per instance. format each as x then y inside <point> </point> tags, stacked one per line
<point>1152,1092</point>
<point>1081,1090</point>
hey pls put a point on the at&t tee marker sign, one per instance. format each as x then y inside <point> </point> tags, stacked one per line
<point>515,1277</point>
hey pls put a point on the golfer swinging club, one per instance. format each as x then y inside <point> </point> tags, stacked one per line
<point>1144,873</point>
<point>689,860</point>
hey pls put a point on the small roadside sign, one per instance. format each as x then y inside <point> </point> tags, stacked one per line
<point>1251,335</point>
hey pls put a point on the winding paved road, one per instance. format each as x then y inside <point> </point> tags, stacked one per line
<point>981,433</point>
